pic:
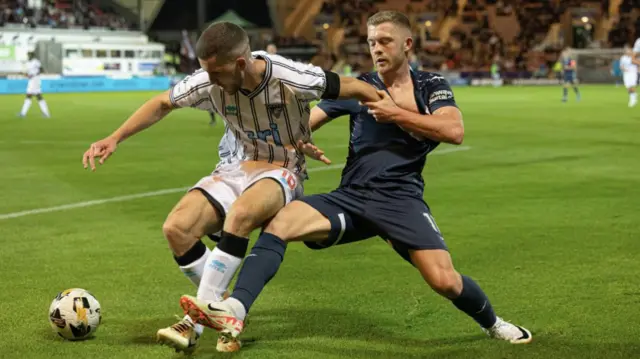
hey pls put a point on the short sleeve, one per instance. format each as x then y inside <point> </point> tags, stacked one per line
<point>439,94</point>
<point>193,91</point>
<point>309,82</point>
<point>337,108</point>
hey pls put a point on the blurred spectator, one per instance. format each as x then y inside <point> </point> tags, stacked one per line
<point>63,15</point>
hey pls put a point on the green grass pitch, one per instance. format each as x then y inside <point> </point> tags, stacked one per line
<point>542,208</point>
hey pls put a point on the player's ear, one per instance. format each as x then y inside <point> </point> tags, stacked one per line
<point>241,62</point>
<point>408,44</point>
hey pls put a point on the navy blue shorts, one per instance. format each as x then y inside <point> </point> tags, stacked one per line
<point>355,215</point>
<point>569,78</point>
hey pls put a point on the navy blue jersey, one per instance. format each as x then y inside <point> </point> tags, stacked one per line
<point>568,65</point>
<point>382,155</point>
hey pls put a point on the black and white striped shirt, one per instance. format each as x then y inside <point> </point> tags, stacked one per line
<point>266,124</point>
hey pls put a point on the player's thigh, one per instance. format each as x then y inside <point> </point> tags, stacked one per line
<point>33,86</point>
<point>269,189</point>
<point>407,222</point>
<point>340,215</point>
<point>630,81</point>
<point>195,215</point>
<point>414,235</point>
<point>298,221</point>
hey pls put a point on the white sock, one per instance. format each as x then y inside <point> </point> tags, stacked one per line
<point>218,273</point>
<point>25,106</point>
<point>195,269</point>
<point>44,108</point>
<point>237,307</point>
<point>194,272</point>
<point>197,327</point>
<point>633,96</point>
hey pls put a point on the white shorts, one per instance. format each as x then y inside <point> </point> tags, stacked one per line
<point>630,79</point>
<point>33,87</point>
<point>229,181</point>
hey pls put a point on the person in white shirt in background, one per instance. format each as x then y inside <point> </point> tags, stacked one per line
<point>629,68</point>
<point>33,87</point>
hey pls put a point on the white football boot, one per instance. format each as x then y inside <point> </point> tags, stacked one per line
<point>181,336</point>
<point>218,316</point>
<point>506,331</point>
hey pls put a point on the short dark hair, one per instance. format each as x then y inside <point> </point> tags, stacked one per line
<point>222,39</point>
<point>394,17</point>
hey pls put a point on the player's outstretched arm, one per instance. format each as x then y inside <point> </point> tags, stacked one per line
<point>351,88</point>
<point>151,112</point>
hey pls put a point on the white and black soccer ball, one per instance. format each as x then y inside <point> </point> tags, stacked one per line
<point>75,314</point>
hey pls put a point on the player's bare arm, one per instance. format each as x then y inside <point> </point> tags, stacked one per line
<point>351,88</point>
<point>444,125</point>
<point>151,112</point>
<point>317,119</point>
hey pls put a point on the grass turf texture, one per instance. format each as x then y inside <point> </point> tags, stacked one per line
<point>542,211</point>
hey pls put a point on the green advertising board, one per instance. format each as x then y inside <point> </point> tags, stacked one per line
<point>7,52</point>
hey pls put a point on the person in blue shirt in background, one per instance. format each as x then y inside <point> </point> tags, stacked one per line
<point>569,72</point>
<point>616,71</point>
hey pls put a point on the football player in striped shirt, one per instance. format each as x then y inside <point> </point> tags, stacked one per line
<point>381,193</point>
<point>264,100</point>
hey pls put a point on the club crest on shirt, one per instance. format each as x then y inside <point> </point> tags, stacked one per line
<point>231,110</point>
<point>275,109</point>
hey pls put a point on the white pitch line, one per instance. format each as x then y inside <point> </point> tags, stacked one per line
<point>130,197</point>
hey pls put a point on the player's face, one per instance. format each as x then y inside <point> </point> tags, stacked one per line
<point>388,45</point>
<point>228,75</point>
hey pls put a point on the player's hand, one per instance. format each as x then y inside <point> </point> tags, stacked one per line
<point>384,109</point>
<point>102,149</point>
<point>311,150</point>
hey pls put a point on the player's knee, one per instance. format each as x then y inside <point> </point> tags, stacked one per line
<point>179,235</point>
<point>280,226</point>
<point>446,282</point>
<point>172,230</point>
<point>240,221</point>
<point>29,96</point>
<point>39,97</point>
<point>298,221</point>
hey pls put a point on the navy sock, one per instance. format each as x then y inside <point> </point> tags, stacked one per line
<point>258,268</point>
<point>475,303</point>
<point>575,89</point>
<point>565,92</point>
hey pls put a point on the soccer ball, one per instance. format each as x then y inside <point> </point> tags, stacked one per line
<point>75,314</point>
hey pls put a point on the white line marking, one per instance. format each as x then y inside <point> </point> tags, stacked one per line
<point>130,197</point>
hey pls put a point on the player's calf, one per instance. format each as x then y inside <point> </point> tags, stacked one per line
<point>465,294</point>
<point>438,271</point>
<point>25,106</point>
<point>633,97</point>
